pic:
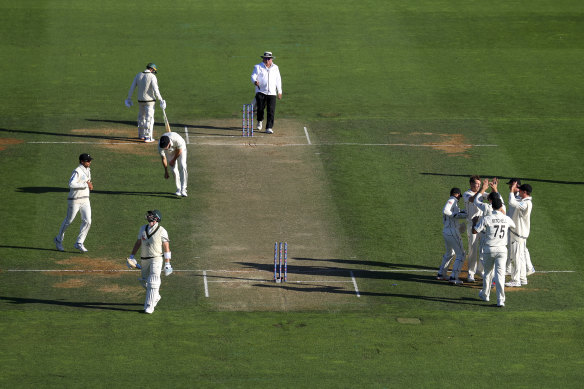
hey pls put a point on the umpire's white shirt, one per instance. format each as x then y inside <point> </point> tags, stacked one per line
<point>269,79</point>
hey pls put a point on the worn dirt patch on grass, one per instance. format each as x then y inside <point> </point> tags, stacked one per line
<point>93,264</point>
<point>4,142</point>
<point>454,144</point>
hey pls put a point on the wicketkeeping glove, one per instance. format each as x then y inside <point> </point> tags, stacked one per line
<point>167,269</point>
<point>132,263</point>
<point>128,103</point>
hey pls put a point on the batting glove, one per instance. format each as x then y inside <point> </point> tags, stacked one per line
<point>132,263</point>
<point>167,269</point>
<point>128,103</point>
<point>163,104</point>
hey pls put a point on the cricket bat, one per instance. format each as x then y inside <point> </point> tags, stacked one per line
<point>166,125</point>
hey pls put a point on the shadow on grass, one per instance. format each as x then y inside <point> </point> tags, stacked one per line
<point>502,178</point>
<point>69,135</point>
<point>73,304</point>
<point>27,248</point>
<point>190,127</point>
<point>339,290</point>
<point>51,189</point>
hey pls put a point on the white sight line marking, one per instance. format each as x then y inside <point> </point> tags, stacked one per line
<point>307,137</point>
<point>245,271</point>
<point>206,284</point>
<point>187,135</point>
<point>274,144</point>
<point>355,284</point>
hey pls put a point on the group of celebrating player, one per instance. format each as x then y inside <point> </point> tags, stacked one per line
<point>496,236</point>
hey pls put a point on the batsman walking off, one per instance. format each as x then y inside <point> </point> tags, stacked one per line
<point>148,93</point>
<point>154,243</point>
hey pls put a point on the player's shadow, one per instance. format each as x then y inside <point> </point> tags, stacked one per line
<point>341,290</point>
<point>192,128</point>
<point>74,304</point>
<point>27,248</point>
<point>70,135</point>
<point>52,189</point>
<point>374,270</point>
<point>503,179</point>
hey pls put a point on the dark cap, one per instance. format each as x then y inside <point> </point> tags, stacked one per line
<point>517,180</point>
<point>454,191</point>
<point>497,203</point>
<point>526,187</point>
<point>164,141</point>
<point>85,158</point>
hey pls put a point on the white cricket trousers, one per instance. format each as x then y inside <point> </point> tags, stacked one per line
<point>179,171</point>
<point>74,206</point>
<point>474,264</point>
<point>518,253</point>
<point>498,261</point>
<point>454,248</point>
<point>146,120</point>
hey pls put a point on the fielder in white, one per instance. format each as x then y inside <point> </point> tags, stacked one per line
<point>154,243</point>
<point>80,185</point>
<point>528,265</point>
<point>148,93</point>
<point>472,211</point>
<point>451,215</point>
<point>520,212</point>
<point>496,228</point>
<point>173,151</point>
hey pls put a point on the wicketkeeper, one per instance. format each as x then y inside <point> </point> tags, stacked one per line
<point>153,239</point>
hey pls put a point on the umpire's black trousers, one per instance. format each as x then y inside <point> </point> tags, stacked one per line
<point>266,101</point>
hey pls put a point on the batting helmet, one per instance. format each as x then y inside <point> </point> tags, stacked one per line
<point>153,67</point>
<point>153,215</point>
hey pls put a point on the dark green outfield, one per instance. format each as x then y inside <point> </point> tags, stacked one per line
<point>505,74</point>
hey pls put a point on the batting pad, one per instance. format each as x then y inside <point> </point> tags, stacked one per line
<point>152,291</point>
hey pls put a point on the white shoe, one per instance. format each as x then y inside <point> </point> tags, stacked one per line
<point>482,296</point>
<point>178,193</point>
<point>269,131</point>
<point>149,140</point>
<point>149,310</point>
<point>59,245</point>
<point>455,281</point>
<point>513,284</point>
<point>80,247</point>
<point>183,193</point>
<point>470,279</point>
<point>523,282</point>
<point>259,127</point>
<point>500,305</point>
<point>531,271</point>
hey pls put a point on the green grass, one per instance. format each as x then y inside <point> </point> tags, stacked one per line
<point>501,73</point>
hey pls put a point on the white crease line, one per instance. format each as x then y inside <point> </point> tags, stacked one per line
<point>307,137</point>
<point>206,284</point>
<point>246,271</point>
<point>275,144</point>
<point>355,284</point>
